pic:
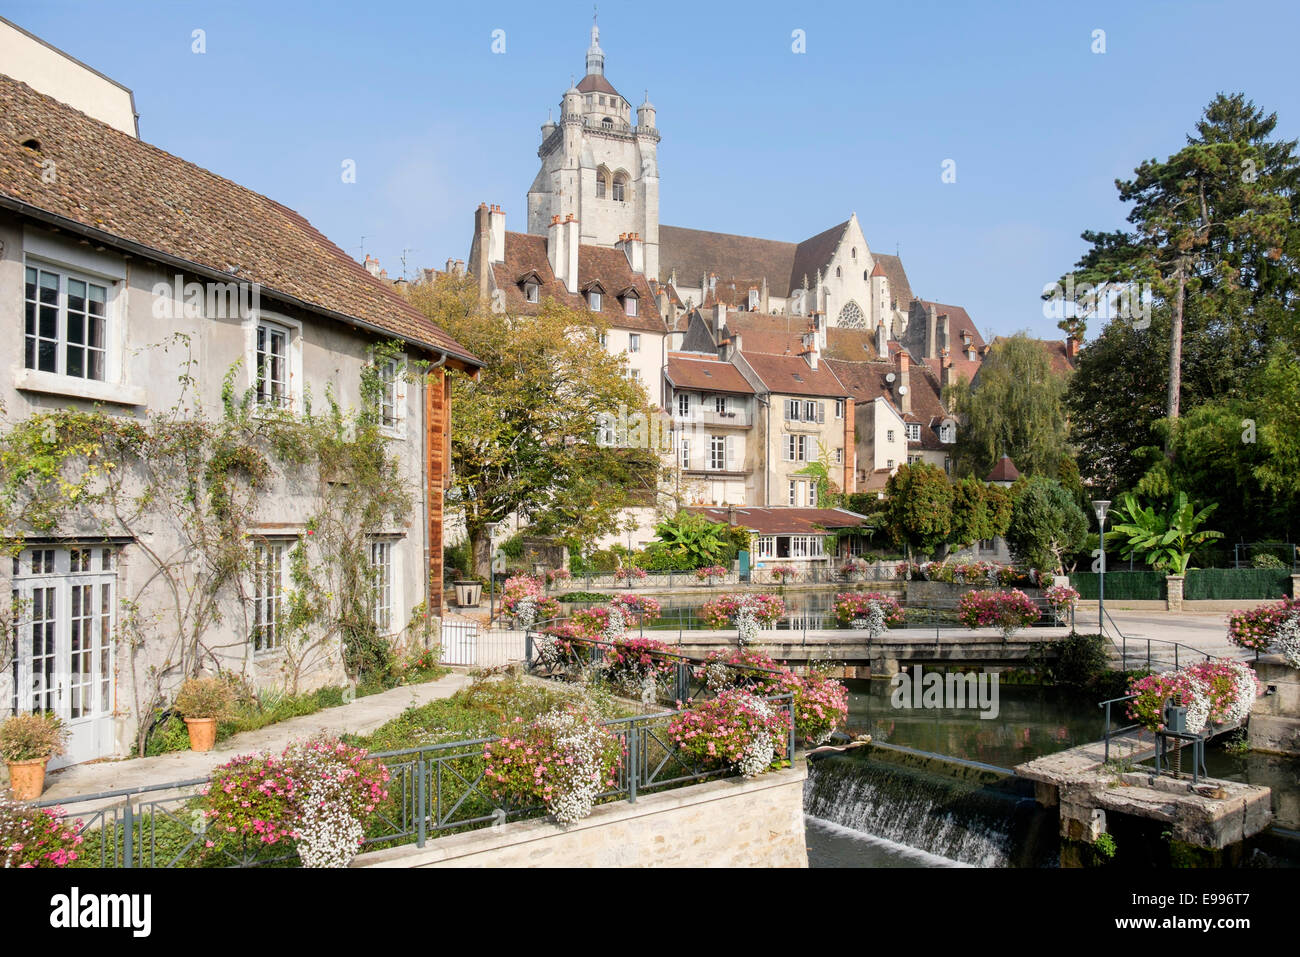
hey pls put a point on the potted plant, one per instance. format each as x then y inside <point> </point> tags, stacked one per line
<point>28,741</point>
<point>202,702</point>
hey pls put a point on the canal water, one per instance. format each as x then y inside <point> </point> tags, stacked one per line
<point>890,808</point>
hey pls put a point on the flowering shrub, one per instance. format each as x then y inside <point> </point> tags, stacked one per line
<point>36,837</point>
<point>640,608</point>
<point>721,611</point>
<point>736,728</point>
<point>558,576</point>
<point>315,792</point>
<point>630,574</point>
<point>907,570</point>
<point>1219,691</point>
<point>851,606</point>
<point>525,598</point>
<point>733,668</point>
<point>590,623</point>
<point>1256,628</point>
<point>1063,599</point>
<point>821,704</point>
<point>1008,611</point>
<point>783,573</point>
<point>563,759</point>
<point>637,665</point>
<point>1007,576</point>
<point>854,568</point>
<point>710,572</point>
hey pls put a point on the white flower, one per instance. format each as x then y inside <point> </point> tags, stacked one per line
<point>1287,640</point>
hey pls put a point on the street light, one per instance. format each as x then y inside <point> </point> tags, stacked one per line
<point>492,575</point>
<point>1101,506</point>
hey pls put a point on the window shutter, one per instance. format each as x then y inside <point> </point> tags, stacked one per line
<point>821,412</point>
<point>730,452</point>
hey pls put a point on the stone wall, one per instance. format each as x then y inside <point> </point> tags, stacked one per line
<point>729,823</point>
<point>1275,719</point>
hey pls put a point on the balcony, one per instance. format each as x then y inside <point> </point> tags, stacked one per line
<point>732,419</point>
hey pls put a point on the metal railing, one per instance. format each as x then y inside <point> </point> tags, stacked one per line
<point>1110,733</point>
<point>433,790</point>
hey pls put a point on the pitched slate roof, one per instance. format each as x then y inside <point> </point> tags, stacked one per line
<point>117,188</point>
<point>959,321</point>
<point>814,253</point>
<point>791,375</point>
<point>525,255</point>
<point>783,521</point>
<point>705,374</point>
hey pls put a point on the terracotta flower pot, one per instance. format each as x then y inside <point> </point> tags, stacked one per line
<point>27,778</point>
<point>203,733</point>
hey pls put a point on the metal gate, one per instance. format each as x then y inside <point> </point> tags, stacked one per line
<point>459,642</point>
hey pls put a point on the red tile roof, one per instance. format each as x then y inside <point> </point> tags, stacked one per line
<point>596,83</point>
<point>959,321</point>
<point>705,375</point>
<point>121,190</point>
<point>1004,471</point>
<point>791,375</point>
<point>525,254</point>
<point>783,521</point>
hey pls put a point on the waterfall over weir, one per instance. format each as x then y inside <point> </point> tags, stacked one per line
<point>970,813</point>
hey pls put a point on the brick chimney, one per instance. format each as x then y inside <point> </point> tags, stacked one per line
<point>812,350</point>
<point>719,317</point>
<point>904,388</point>
<point>1071,346</point>
<point>882,340</point>
<point>633,247</point>
<point>372,265</point>
<point>931,328</point>
<point>945,370</point>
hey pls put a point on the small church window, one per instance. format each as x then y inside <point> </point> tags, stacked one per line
<point>837,272</point>
<point>854,252</point>
<point>865,275</point>
<point>620,187</point>
<point>608,123</point>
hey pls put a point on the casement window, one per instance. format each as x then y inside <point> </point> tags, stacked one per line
<point>381,580</point>
<point>66,322</point>
<point>794,494</point>
<point>531,291</point>
<point>913,458</point>
<point>684,405</point>
<point>634,375</point>
<point>946,433</point>
<point>797,410</point>
<point>839,457</point>
<point>390,394</point>
<point>633,339</point>
<point>620,185</point>
<point>629,305</point>
<point>812,494</point>
<point>593,301</point>
<point>796,448</point>
<point>684,452</point>
<point>720,404</point>
<point>913,432</point>
<point>273,364</point>
<point>270,575</point>
<point>889,435</point>
<point>765,546</point>
<point>64,608</point>
<point>722,453</point>
<point>889,463</point>
<point>839,408</point>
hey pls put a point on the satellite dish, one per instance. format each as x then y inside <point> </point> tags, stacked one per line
<point>889,377</point>
<point>902,390</point>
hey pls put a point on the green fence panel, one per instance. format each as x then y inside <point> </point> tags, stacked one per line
<point>1122,586</point>
<point>1234,583</point>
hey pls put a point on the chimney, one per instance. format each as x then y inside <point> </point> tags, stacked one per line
<point>634,248</point>
<point>460,267</point>
<point>850,447</point>
<point>496,235</point>
<point>572,239</point>
<point>731,515</point>
<point>904,382</point>
<point>944,327</point>
<point>945,371</point>
<point>372,266</point>
<point>451,266</point>
<point>882,340</point>
<point>931,324</point>
<point>479,250</point>
<point>555,236</point>
<point>763,296</point>
<point>719,316</point>
<point>1071,346</point>
<point>812,350</point>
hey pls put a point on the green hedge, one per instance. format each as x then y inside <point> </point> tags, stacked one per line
<point>1234,583</point>
<point>1122,586</point>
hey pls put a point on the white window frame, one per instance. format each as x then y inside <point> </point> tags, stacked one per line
<point>683,405</point>
<point>913,432</point>
<point>794,494</point>
<point>263,318</point>
<point>633,339</point>
<point>765,546</point>
<point>629,305</point>
<point>593,300</point>
<point>839,408</point>
<point>889,435</point>
<point>532,292</point>
<point>271,560</point>
<point>839,457</point>
<point>392,405</point>
<point>384,559</point>
<point>684,452</point>
<point>812,494</point>
<point>718,453</point>
<point>720,404</point>
<point>64,277</point>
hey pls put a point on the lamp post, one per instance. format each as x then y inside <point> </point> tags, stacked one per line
<point>1101,506</point>
<point>492,575</point>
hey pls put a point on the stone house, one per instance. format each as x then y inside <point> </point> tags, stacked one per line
<point>135,283</point>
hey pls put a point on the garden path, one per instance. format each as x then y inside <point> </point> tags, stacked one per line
<point>361,716</point>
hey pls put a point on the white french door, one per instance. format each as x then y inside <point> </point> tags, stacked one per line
<point>64,614</point>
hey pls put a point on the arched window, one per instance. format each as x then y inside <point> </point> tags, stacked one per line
<point>854,252</point>
<point>602,182</point>
<point>607,122</point>
<point>837,272</point>
<point>866,275</point>
<point>851,316</point>
<point>620,187</point>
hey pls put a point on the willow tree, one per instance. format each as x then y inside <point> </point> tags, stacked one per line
<point>525,433</point>
<point>1015,407</point>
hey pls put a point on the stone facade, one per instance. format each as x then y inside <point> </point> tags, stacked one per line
<point>731,823</point>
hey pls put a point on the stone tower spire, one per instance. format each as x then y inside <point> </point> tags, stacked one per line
<point>595,55</point>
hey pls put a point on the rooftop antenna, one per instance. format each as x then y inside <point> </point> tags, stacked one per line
<point>404,252</point>
<point>363,248</point>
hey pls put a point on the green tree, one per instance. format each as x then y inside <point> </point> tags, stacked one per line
<point>1013,408</point>
<point>971,518</point>
<point>690,540</point>
<point>918,507</point>
<point>1165,542</point>
<point>1046,525</point>
<point>525,433</point>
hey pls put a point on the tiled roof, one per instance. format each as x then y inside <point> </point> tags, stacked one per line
<point>866,382</point>
<point>857,344</point>
<point>117,187</point>
<point>791,375</point>
<point>732,292</point>
<point>694,253</point>
<point>783,521</point>
<point>596,83</point>
<point>961,368</point>
<point>1057,356</point>
<point>1004,471</point>
<point>813,254</point>
<point>705,375</point>
<point>767,333</point>
<point>900,290</point>
<point>525,254</point>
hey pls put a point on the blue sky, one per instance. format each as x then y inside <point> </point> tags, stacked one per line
<point>757,139</point>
